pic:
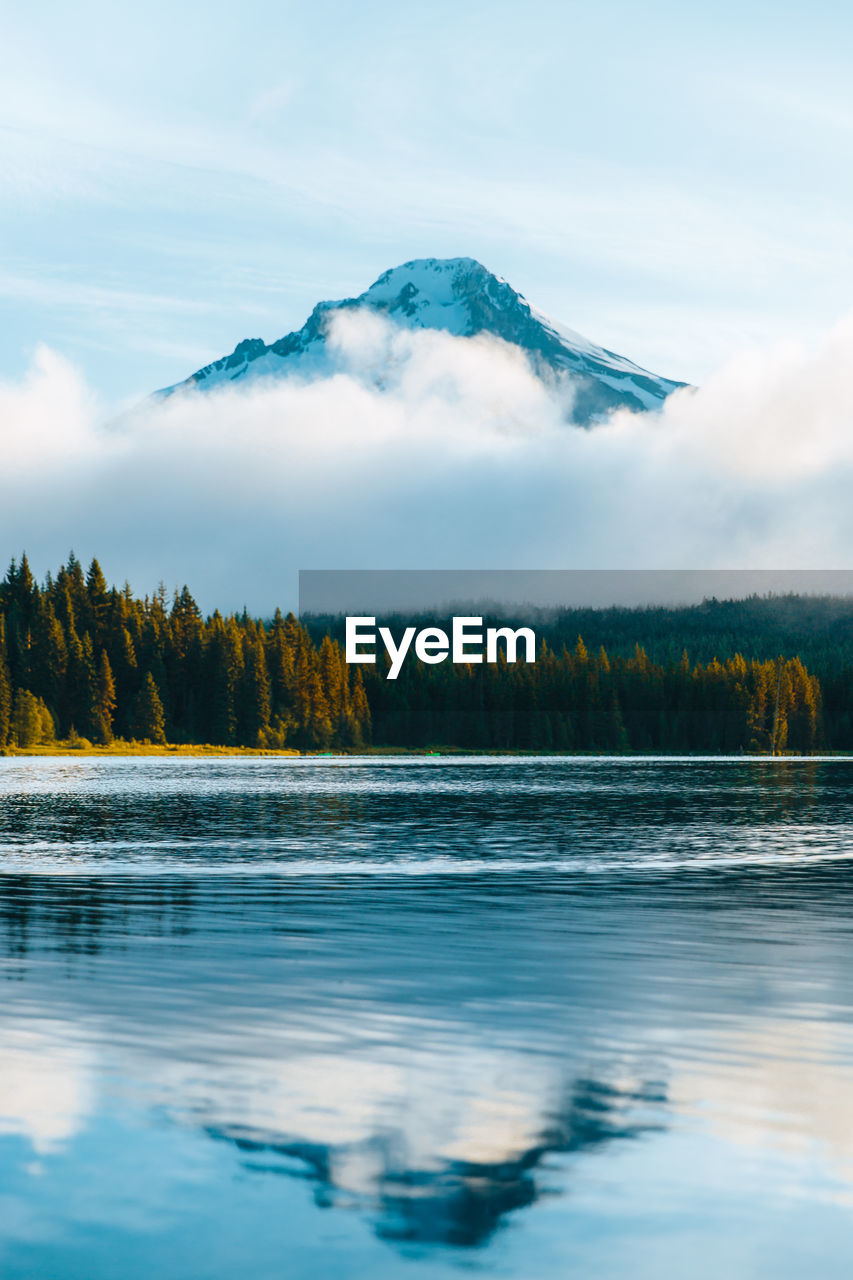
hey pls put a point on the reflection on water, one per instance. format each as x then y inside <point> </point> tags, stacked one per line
<point>539,1017</point>
<point>461,1201</point>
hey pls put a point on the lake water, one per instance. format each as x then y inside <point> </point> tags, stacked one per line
<point>522,1018</point>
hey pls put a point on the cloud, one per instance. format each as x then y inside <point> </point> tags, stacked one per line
<point>46,423</point>
<point>46,1095</point>
<point>420,449</point>
<point>772,417</point>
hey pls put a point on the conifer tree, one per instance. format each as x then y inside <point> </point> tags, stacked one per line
<point>71,578</point>
<point>256,694</point>
<point>104,705</point>
<point>87,689</point>
<point>49,654</point>
<point>31,723</point>
<point>48,723</point>
<point>5,689</point>
<point>359,720</point>
<point>149,719</point>
<point>97,603</point>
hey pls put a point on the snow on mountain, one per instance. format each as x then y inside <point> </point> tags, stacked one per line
<point>460,297</point>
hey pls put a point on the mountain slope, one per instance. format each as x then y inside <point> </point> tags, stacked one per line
<point>459,296</point>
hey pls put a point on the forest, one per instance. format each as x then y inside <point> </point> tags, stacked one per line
<point>85,663</point>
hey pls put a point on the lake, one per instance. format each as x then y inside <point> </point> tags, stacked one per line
<point>425,1017</point>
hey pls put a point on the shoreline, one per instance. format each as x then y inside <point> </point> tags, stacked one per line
<point>188,750</point>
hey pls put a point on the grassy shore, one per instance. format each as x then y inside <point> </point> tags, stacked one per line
<point>81,747</point>
<point>122,748</point>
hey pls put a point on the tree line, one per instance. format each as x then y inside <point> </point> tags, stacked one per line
<point>576,700</point>
<point>81,660</point>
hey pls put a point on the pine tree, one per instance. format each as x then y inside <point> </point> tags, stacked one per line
<point>225,670</point>
<point>184,643</point>
<point>48,723</point>
<point>87,690</point>
<point>361,708</point>
<point>5,689</point>
<point>256,694</point>
<point>333,678</point>
<point>97,603</point>
<point>49,654</point>
<point>149,719</point>
<point>27,723</point>
<point>79,685</point>
<point>104,704</point>
<point>70,577</point>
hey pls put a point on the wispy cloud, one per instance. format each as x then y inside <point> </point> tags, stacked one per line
<point>68,292</point>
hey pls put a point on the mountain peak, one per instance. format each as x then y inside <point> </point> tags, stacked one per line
<point>440,293</point>
<point>462,297</point>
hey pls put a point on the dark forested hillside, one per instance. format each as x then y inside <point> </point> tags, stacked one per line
<point>79,659</point>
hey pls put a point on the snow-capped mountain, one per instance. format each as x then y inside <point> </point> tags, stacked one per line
<point>459,296</point>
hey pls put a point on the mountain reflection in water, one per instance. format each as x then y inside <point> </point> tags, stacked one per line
<point>462,1202</point>
<point>567,1015</point>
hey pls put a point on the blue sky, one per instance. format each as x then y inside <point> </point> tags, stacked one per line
<point>672,180</point>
